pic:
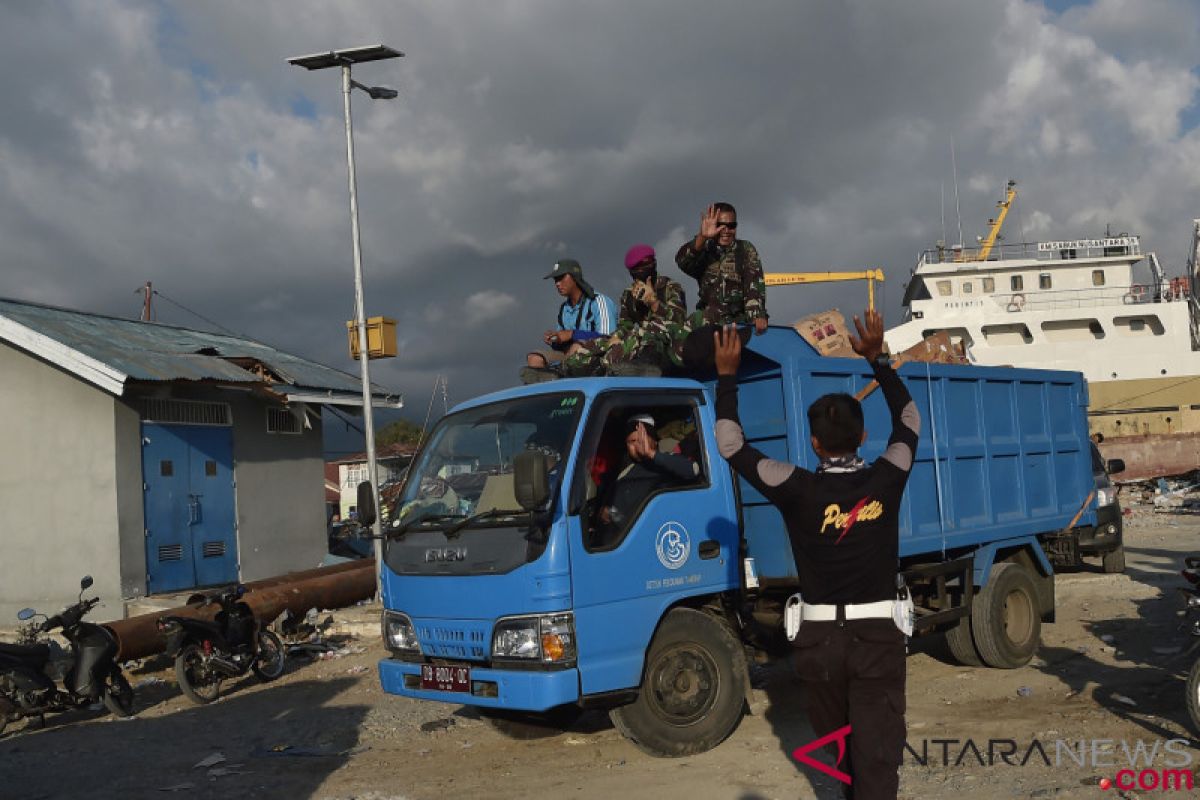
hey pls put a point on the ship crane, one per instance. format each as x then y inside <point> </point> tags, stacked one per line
<point>989,241</point>
<point>869,275</point>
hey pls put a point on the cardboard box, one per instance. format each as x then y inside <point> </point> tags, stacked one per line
<point>827,333</point>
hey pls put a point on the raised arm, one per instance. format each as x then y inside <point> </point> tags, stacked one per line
<point>766,475</point>
<point>906,421</point>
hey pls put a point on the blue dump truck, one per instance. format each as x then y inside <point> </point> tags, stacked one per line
<point>503,588</point>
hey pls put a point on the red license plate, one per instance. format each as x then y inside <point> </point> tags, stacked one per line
<point>441,678</point>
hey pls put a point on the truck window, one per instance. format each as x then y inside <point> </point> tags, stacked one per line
<point>615,481</point>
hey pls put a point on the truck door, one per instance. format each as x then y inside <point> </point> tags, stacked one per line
<point>644,535</point>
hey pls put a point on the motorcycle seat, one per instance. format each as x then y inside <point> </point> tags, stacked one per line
<point>194,624</point>
<point>33,654</point>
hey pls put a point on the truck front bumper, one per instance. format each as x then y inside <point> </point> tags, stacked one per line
<point>518,690</point>
<point>1107,533</point>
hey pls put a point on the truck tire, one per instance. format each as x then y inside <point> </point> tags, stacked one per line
<point>1005,622</point>
<point>1114,560</point>
<point>1193,694</point>
<point>962,645</point>
<point>693,687</point>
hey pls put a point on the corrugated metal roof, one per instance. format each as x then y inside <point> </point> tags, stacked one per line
<point>150,351</point>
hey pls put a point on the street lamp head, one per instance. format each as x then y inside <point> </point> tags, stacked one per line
<point>376,92</point>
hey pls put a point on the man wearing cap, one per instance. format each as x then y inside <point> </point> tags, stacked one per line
<point>651,327</point>
<point>584,315</point>
<point>647,470</point>
<point>728,269</point>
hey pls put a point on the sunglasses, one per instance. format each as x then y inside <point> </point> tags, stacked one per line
<point>731,225</point>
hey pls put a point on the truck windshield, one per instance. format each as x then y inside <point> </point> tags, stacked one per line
<point>467,466</point>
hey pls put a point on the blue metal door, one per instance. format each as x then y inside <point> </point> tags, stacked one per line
<point>189,505</point>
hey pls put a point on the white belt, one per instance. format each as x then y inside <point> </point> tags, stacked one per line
<point>880,609</point>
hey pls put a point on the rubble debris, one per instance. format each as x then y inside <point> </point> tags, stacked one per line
<point>437,725</point>
<point>1025,691</point>
<point>178,787</point>
<point>210,761</point>
<point>1129,701</point>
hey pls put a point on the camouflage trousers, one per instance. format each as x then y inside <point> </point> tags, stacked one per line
<point>654,343</point>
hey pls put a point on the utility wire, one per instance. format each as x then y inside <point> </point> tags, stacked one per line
<point>215,324</point>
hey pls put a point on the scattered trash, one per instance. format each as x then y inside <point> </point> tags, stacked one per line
<point>1025,691</point>
<point>210,761</point>
<point>1120,698</point>
<point>178,787</point>
<point>359,670</point>
<point>437,725</point>
<point>342,652</point>
<point>220,772</point>
<point>146,682</point>
<point>574,740</point>
<point>309,752</point>
<point>1108,638</point>
<point>1167,651</point>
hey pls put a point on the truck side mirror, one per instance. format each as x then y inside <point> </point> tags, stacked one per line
<point>1115,465</point>
<point>85,583</point>
<point>366,504</point>
<point>531,480</point>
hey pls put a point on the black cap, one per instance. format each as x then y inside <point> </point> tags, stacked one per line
<point>569,266</point>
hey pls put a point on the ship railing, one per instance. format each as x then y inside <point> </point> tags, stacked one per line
<point>1089,297</point>
<point>1040,251</point>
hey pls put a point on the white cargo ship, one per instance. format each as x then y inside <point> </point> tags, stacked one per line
<point>1077,305</point>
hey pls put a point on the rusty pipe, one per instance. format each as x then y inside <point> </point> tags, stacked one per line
<point>326,587</point>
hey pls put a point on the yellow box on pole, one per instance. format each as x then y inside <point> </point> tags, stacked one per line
<point>381,337</point>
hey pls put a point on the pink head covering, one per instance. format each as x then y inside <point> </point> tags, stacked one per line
<point>636,254</point>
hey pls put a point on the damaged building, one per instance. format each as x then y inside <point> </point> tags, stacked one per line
<point>155,458</point>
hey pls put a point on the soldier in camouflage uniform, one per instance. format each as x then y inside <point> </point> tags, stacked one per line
<point>730,274</point>
<point>651,327</point>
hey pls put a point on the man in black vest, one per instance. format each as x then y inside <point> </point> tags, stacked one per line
<point>843,524</point>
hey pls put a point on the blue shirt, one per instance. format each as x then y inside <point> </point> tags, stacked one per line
<point>591,318</point>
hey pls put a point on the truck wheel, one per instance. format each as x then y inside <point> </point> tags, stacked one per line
<point>693,687</point>
<point>1193,694</point>
<point>1005,622</point>
<point>962,646</point>
<point>1114,560</point>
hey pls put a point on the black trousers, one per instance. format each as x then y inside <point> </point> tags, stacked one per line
<point>853,673</point>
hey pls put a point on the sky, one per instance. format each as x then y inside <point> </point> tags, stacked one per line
<point>172,142</point>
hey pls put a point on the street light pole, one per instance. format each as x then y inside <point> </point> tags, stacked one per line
<point>360,318</point>
<point>346,59</point>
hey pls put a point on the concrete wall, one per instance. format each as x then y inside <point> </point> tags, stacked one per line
<point>58,489</point>
<point>131,519</point>
<point>280,493</point>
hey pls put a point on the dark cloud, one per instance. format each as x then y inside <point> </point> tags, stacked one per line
<point>172,142</point>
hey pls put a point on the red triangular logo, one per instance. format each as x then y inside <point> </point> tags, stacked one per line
<point>801,754</point>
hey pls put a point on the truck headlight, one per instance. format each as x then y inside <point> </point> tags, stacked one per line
<point>1106,496</point>
<point>399,634</point>
<point>549,638</point>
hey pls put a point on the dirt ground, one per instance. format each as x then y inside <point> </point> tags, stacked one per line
<point>1107,677</point>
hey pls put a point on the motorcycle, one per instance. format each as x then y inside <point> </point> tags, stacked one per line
<point>31,670</point>
<point>1191,614</point>
<point>230,645</point>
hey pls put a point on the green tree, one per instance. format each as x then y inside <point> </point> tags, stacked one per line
<point>401,431</point>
